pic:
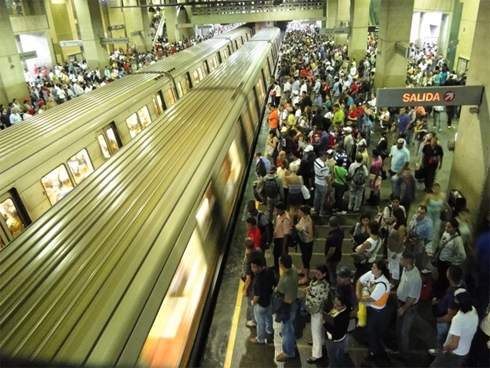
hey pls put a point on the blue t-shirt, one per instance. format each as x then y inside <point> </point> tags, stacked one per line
<point>404,121</point>
<point>324,142</point>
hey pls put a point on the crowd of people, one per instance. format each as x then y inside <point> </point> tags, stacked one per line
<point>321,116</point>
<point>48,88</point>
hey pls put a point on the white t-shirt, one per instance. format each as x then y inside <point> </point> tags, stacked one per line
<point>321,172</point>
<point>374,244</point>
<point>463,325</point>
<point>379,289</point>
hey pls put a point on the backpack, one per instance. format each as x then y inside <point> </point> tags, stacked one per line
<point>271,188</point>
<point>359,177</point>
<point>260,168</point>
<point>266,231</point>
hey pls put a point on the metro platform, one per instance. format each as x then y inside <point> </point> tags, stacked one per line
<point>228,342</point>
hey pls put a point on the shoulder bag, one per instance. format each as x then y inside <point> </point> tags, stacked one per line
<point>435,258</point>
<point>277,299</point>
<point>363,258</point>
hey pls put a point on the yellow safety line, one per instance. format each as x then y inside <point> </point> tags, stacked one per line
<point>234,326</point>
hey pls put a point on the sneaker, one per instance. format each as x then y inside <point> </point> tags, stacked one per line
<point>311,360</point>
<point>432,352</point>
<point>255,341</point>
<point>251,324</point>
<point>283,357</point>
<point>343,213</point>
<point>449,127</point>
<point>269,342</point>
<point>440,129</point>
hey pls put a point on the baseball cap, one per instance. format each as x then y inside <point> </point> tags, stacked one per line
<point>347,130</point>
<point>330,152</point>
<point>309,148</point>
<point>400,141</point>
<point>344,272</point>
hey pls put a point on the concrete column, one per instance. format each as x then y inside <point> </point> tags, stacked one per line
<point>332,11</point>
<point>134,20</point>
<point>173,33</point>
<point>92,30</point>
<point>12,83</point>
<point>470,172</point>
<point>343,16</point>
<point>359,29</point>
<point>395,22</point>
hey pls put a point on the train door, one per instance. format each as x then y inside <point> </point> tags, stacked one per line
<point>207,66</point>
<point>188,82</point>
<point>198,75</point>
<point>13,219</point>
<point>180,91</point>
<point>109,140</point>
<point>236,45</point>
<point>158,103</point>
<point>220,59</point>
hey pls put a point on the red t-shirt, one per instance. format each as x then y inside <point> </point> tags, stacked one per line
<point>255,235</point>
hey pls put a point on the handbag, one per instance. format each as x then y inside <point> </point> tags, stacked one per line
<point>435,258</point>
<point>269,149</point>
<point>329,201</point>
<point>363,258</point>
<point>272,93</point>
<point>277,299</point>
<point>305,192</point>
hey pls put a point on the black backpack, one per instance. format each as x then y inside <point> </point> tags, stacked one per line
<point>266,231</point>
<point>271,188</point>
<point>359,177</point>
<point>260,168</point>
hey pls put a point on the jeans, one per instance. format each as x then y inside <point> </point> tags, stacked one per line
<point>442,331</point>
<point>263,316</point>
<point>339,195</point>
<point>437,119</point>
<point>430,175</point>
<point>288,333</point>
<point>375,321</point>
<point>356,194</point>
<point>271,205</point>
<point>336,353</point>
<point>448,360</point>
<point>320,192</point>
<point>250,308</point>
<point>367,133</point>
<point>318,335</point>
<point>332,272</point>
<point>403,324</point>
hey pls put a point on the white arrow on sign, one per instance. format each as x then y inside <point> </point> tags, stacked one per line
<point>449,96</point>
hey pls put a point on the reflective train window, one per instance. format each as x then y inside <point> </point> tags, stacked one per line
<point>103,146</point>
<point>134,126</point>
<point>171,96</point>
<point>158,103</point>
<point>180,91</point>
<point>248,126</point>
<point>260,90</point>
<point>57,184</point>
<point>80,166</point>
<point>270,62</point>
<point>204,214</point>
<point>267,74</point>
<point>144,116</point>
<point>113,138</point>
<point>201,74</point>
<point>187,78</point>
<point>167,340</point>
<point>224,54</point>
<point>230,172</point>
<point>10,220</point>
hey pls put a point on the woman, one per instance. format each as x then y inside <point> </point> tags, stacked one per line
<point>359,232</point>
<point>395,248</point>
<point>382,146</point>
<point>282,173</point>
<point>305,231</point>
<point>352,115</point>
<point>336,323</point>
<point>370,247</point>
<point>295,196</point>
<point>375,177</point>
<point>451,253</point>
<point>280,157</point>
<point>419,131</point>
<point>434,202</point>
<point>340,185</point>
<point>271,146</point>
<point>373,290</point>
<point>315,300</point>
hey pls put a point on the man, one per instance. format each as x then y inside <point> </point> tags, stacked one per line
<point>297,113</point>
<point>358,174</point>
<point>283,115</point>
<point>446,307</point>
<point>403,122</point>
<point>322,179</point>
<point>345,287</point>
<point>367,122</point>
<point>405,188</point>
<point>262,165</point>
<point>348,141</point>
<point>399,159</point>
<point>288,285</point>
<point>361,150</point>
<point>273,190</point>
<point>318,101</point>
<point>287,89</point>
<point>461,333</point>
<point>333,249</point>
<point>282,230</point>
<point>253,231</point>
<point>421,233</point>
<point>273,117</point>
<point>340,156</point>
<point>264,282</point>
<point>263,224</point>
<point>339,115</point>
<point>324,141</point>
<point>247,276</point>
<point>432,155</point>
<point>305,101</point>
<point>408,294</point>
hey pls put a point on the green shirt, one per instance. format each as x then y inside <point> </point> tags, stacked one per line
<point>338,117</point>
<point>288,284</point>
<point>340,175</point>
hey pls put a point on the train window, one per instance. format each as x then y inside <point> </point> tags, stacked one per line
<point>80,166</point>
<point>253,105</point>
<point>113,138</point>
<point>231,172</point>
<point>103,146</point>
<point>260,90</point>
<point>248,126</point>
<point>10,215</point>
<point>171,96</point>
<point>144,116</point>
<point>133,125</point>
<point>180,91</point>
<point>204,216</point>
<point>224,55</point>
<point>267,73</point>
<point>270,62</point>
<point>167,340</point>
<point>57,184</point>
<point>158,103</point>
<point>201,75</point>
<point>187,78</point>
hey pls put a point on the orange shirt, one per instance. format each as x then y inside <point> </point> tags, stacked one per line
<point>273,119</point>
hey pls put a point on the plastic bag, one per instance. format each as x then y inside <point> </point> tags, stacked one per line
<point>362,315</point>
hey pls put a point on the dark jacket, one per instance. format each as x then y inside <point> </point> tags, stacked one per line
<point>337,326</point>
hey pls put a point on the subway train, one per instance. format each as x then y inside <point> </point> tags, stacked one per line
<point>44,158</point>
<point>123,271</point>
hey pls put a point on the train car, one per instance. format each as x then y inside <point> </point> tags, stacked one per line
<point>44,158</point>
<point>120,273</point>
